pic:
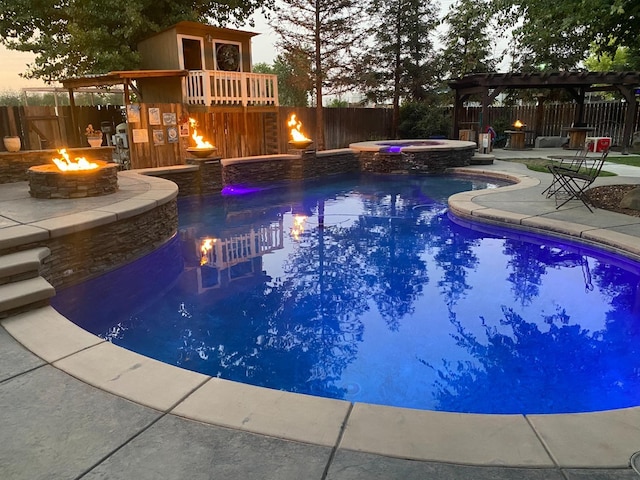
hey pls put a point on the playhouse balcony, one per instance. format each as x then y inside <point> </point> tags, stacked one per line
<point>213,87</point>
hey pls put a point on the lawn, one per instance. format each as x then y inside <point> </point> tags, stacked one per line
<point>633,160</point>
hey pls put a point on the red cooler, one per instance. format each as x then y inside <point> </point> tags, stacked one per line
<point>599,144</point>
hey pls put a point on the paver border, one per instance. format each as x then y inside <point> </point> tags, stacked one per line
<point>601,439</point>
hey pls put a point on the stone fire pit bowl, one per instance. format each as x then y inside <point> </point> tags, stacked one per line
<point>47,181</point>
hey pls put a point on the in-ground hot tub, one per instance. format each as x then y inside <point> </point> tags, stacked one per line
<point>47,181</point>
<point>413,155</point>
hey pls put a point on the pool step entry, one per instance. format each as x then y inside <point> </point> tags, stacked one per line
<point>21,286</point>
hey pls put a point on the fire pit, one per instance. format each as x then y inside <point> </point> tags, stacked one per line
<point>516,137</point>
<point>72,179</point>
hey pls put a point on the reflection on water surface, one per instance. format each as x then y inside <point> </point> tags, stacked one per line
<point>364,289</point>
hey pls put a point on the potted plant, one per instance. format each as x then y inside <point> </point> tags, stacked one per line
<point>94,137</point>
<point>12,143</point>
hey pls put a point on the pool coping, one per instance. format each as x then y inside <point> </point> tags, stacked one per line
<point>587,440</point>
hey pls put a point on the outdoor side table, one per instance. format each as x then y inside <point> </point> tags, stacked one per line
<point>577,136</point>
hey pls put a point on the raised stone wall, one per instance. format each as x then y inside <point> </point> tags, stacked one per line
<point>432,161</point>
<point>209,177</point>
<point>82,255</point>
<point>269,169</point>
<point>266,169</point>
<point>14,165</point>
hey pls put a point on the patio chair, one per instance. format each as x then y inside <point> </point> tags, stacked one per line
<point>572,162</point>
<point>573,184</point>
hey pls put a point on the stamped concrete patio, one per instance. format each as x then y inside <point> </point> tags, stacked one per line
<point>74,406</point>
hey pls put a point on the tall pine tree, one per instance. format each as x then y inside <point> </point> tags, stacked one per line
<point>468,46</point>
<point>398,65</point>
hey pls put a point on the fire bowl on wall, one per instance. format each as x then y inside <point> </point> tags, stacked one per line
<point>300,144</point>
<point>202,152</point>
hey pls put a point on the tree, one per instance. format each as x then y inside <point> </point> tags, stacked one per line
<point>294,84</point>
<point>397,66</point>
<point>623,60</point>
<point>467,45</point>
<point>327,33</point>
<point>77,37</point>
<point>553,35</point>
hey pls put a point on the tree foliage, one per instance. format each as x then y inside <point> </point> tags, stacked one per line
<point>423,120</point>
<point>467,42</point>
<point>398,66</point>
<point>623,60</point>
<point>553,35</point>
<point>294,82</point>
<point>76,37</point>
<point>327,34</point>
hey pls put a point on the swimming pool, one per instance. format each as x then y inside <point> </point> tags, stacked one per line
<point>364,289</point>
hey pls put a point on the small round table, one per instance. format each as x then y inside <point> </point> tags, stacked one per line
<point>516,139</point>
<point>577,136</point>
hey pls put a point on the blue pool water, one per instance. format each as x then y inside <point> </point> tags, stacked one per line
<point>364,289</point>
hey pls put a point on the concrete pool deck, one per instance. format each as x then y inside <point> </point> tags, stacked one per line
<point>75,406</point>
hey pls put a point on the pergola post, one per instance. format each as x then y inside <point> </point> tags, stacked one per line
<point>74,119</point>
<point>629,118</point>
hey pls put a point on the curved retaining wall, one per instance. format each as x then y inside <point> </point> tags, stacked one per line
<point>114,230</point>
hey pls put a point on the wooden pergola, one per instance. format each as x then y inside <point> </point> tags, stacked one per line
<point>124,78</point>
<point>489,85</point>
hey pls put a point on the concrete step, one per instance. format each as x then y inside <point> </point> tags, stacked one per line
<point>22,265</point>
<point>482,159</point>
<point>18,296</point>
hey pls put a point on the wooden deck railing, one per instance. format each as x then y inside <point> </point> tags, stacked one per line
<point>208,87</point>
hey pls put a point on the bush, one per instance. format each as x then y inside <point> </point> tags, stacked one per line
<point>422,120</point>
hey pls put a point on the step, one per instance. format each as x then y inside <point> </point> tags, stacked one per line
<point>20,294</point>
<point>18,263</point>
<point>482,159</point>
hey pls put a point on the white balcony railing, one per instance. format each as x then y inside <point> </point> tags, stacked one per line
<point>210,87</point>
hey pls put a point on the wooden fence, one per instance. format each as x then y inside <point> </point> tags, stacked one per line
<point>606,118</point>
<point>51,127</point>
<point>235,131</point>
<point>239,132</point>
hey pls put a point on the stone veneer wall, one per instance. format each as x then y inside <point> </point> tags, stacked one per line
<point>269,169</point>
<point>14,165</point>
<point>46,181</point>
<point>79,256</point>
<point>209,178</point>
<point>431,161</point>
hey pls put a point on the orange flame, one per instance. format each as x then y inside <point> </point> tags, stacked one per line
<point>518,124</point>
<point>296,133</point>
<point>65,164</point>
<point>298,226</point>
<point>200,143</point>
<point>205,247</point>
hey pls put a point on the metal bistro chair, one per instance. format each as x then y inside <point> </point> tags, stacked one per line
<point>573,184</point>
<point>572,162</point>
